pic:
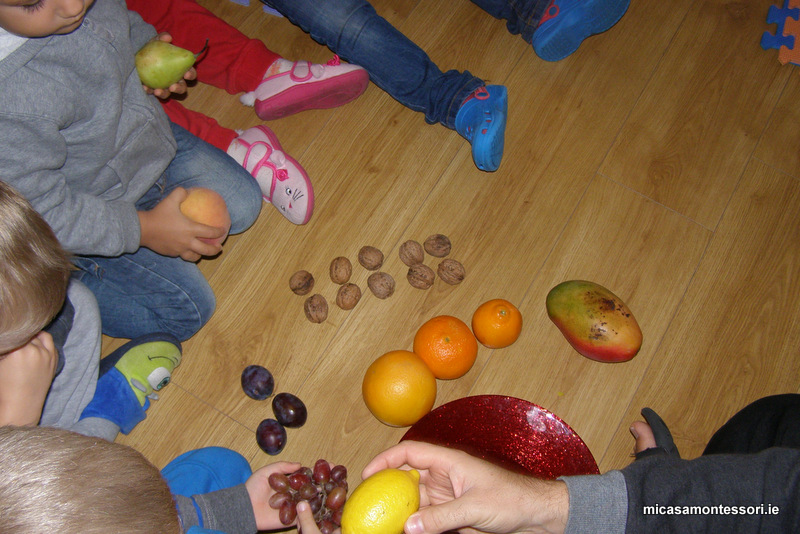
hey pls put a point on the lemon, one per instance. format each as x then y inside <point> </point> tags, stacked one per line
<point>382,503</point>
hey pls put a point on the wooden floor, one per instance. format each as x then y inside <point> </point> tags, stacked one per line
<point>662,160</point>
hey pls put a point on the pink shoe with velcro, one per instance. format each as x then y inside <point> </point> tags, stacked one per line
<point>284,183</point>
<point>307,86</point>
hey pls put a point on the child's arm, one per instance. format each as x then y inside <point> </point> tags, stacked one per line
<point>242,509</point>
<point>25,378</point>
<point>260,492</point>
<point>169,232</point>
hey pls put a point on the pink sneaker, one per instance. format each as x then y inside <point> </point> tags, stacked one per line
<point>307,86</point>
<point>283,182</point>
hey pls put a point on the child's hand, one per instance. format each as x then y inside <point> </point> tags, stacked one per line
<point>169,232</point>
<point>26,374</point>
<point>179,87</point>
<point>260,491</point>
<point>305,519</point>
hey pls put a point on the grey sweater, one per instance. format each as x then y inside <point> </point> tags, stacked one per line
<point>751,493</point>
<point>80,138</point>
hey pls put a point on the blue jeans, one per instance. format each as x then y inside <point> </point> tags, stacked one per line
<point>145,292</point>
<point>353,30</point>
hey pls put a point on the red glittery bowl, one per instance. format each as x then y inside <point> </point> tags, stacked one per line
<point>510,432</point>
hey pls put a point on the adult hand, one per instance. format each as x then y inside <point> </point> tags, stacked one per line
<point>178,87</point>
<point>26,374</point>
<point>462,492</point>
<point>166,230</point>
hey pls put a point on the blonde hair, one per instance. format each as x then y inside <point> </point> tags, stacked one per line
<point>34,271</point>
<point>54,480</point>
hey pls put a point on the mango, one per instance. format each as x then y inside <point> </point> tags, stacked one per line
<point>596,322</point>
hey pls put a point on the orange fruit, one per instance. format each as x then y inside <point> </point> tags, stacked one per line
<point>497,323</point>
<point>447,345</point>
<point>398,388</point>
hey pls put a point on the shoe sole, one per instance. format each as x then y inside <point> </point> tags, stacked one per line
<point>556,45</point>
<point>487,149</point>
<point>324,94</point>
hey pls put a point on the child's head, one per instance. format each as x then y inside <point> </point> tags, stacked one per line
<point>34,271</point>
<point>54,480</point>
<point>40,18</point>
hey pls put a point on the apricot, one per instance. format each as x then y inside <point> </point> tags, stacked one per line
<point>207,207</point>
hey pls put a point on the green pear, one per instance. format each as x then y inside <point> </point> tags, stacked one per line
<point>160,64</point>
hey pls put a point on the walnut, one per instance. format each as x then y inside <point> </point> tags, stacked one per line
<point>411,253</point>
<point>301,282</point>
<point>421,276</point>
<point>451,271</point>
<point>370,257</point>
<point>341,269</point>
<point>316,308</point>
<point>437,245</point>
<point>381,285</point>
<point>348,296</point>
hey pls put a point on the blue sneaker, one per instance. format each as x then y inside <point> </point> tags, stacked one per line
<point>481,120</point>
<point>566,23</point>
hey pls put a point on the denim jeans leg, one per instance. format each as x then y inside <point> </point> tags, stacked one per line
<point>199,164</point>
<point>522,16</point>
<point>353,30</point>
<point>146,292</point>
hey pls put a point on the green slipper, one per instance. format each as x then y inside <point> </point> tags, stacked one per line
<point>146,363</point>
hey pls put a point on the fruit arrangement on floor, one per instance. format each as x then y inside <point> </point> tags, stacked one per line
<point>290,412</point>
<point>399,387</point>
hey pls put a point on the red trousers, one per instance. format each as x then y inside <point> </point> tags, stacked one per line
<point>233,61</point>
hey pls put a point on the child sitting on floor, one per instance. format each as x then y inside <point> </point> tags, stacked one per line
<point>98,158</point>
<point>50,339</point>
<point>57,481</point>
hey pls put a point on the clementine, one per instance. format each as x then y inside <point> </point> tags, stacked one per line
<point>497,323</point>
<point>447,345</point>
<point>398,388</point>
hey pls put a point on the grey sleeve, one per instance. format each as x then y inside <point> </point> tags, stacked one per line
<point>84,223</point>
<point>141,32</point>
<point>597,503</point>
<point>228,510</point>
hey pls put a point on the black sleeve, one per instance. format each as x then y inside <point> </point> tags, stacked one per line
<point>715,493</point>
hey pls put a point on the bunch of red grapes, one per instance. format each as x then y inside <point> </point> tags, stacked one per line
<point>324,488</point>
